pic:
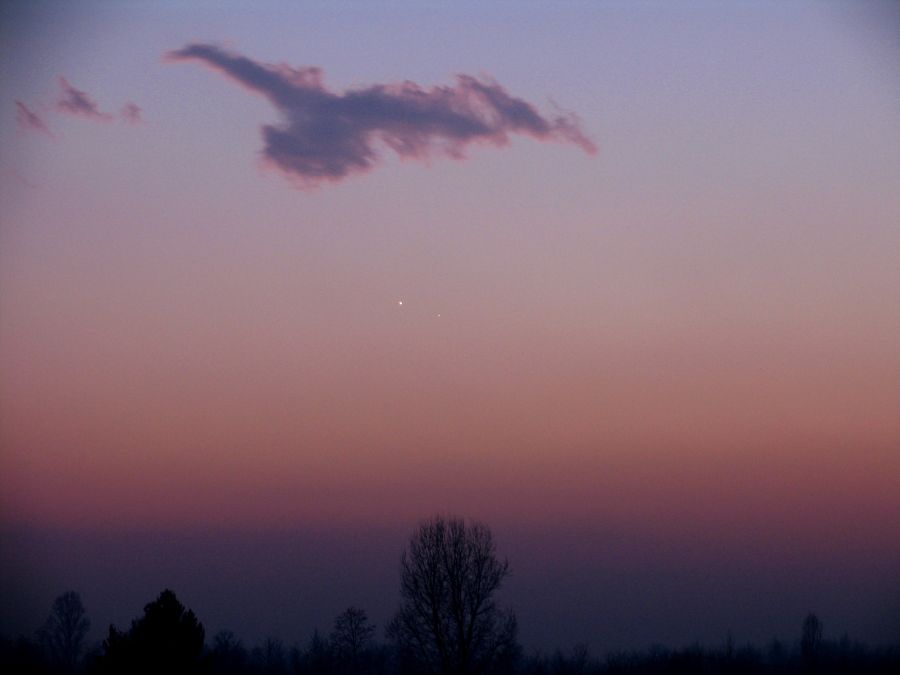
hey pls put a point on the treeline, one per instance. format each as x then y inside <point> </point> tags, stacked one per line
<point>448,623</point>
<point>169,638</point>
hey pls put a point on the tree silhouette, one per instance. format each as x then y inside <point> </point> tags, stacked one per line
<point>316,658</point>
<point>350,638</point>
<point>167,639</point>
<point>448,622</point>
<point>227,654</point>
<point>62,635</point>
<point>269,658</point>
<point>811,637</point>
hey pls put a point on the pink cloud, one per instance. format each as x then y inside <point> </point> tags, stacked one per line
<point>29,120</point>
<point>77,102</point>
<point>326,136</point>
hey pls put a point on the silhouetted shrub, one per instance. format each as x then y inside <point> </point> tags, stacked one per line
<point>167,639</point>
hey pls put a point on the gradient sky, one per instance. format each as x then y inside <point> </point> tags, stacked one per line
<point>672,366</point>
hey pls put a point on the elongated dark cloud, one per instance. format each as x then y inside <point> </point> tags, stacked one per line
<point>29,120</point>
<point>131,113</point>
<point>77,102</point>
<point>326,136</point>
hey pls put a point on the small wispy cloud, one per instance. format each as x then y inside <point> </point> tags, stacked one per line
<point>77,102</point>
<point>29,120</point>
<point>326,136</point>
<point>131,113</point>
<point>20,179</point>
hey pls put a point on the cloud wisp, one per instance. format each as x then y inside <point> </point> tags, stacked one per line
<point>326,136</point>
<point>29,120</point>
<point>131,113</point>
<point>77,102</point>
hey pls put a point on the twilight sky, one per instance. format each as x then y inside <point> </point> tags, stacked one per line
<point>619,279</point>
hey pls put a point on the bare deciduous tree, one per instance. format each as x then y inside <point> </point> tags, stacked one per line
<point>811,637</point>
<point>62,635</point>
<point>448,620</point>
<point>351,635</point>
